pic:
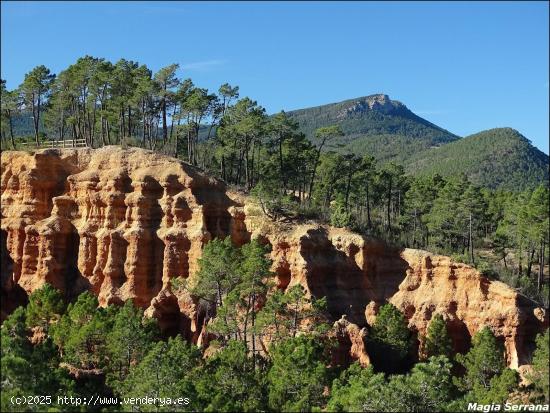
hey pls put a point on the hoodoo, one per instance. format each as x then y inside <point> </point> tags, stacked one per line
<point>124,222</point>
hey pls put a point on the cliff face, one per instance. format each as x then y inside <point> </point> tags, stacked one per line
<point>122,223</point>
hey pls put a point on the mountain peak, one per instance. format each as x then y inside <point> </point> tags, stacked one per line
<point>379,102</point>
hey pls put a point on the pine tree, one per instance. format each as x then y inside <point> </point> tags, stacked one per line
<point>540,374</point>
<point>27,369</point>
<point>357,389</point>
<point>229,383</point>
<point>218,273</point>
<point>437,341</point>
<point>283,314</point>
<point>389,340</point>
<point>298,375</point>
<point>484,361</point>
<point>167,371</point>
<point>427,388</point>
<point>35,90</point>
<point>127,343</point>
<point>45,306</point>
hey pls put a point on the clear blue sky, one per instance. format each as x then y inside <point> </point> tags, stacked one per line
<point>464,66</point>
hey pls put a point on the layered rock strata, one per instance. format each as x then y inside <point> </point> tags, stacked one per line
<point>123,223</point>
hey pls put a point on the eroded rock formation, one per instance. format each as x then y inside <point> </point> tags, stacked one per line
<point>123,223</point>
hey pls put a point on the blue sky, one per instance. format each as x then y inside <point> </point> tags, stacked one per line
<point>464,66</point>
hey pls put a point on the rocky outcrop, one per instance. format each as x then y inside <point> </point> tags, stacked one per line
<point>351,343</point>
<point>358,275</point>
<point>468,301</point>
<point>123,223</point>
<point>379,103</point>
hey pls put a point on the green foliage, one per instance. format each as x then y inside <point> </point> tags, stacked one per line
<point>356,120</point>
<point>357,389</point>
<point>495,158</point>
<point>284,313</point>
<point>127,343</point>
<point>45,306</point>
<point>325,133</point>
<point>81,333</point>
<point>298,375</point>
<point>236,316</point>
<point>390,340</point>
<point>448,224</point>
<point>34,91</point>
<point>218,273</point>
<point>273,202</point>
<point>16,352</point>
<point>28,369</point>
<point>229,382</point>
<point>169,370</point>
<point>427,388</point>
<point>437,341</point>
<point>483,363</point>
<point>499,388</point>
<point>339,217</point>
<point>540,375</point>
<point>115,351</point>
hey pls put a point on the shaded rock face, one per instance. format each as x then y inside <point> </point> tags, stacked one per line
<point>123,223</point>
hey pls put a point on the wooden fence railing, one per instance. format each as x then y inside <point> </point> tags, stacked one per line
<point>69,143</point>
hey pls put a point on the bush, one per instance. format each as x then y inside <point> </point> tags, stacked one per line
<point>339,216</point>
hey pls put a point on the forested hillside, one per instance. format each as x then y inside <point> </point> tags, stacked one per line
<point>384,128</point>
<point>495,158</point>
<point>370,115</point>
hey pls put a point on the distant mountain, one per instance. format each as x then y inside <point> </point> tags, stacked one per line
<point>371,122</point>
<point>389,131</point>
<point>495,158</point>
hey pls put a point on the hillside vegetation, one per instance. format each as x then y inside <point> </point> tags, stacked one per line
<point>372,115</point>
<point>495,158</point>
<point>387,130</point>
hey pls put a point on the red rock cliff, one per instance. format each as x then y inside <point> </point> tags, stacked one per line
<point>122,223</point>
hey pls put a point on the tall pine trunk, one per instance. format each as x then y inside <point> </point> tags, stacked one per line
<point>530,261</point>
<point>11,130</point>
<point>388,207</point>
<point>164,122</point>
<point>541,267</point>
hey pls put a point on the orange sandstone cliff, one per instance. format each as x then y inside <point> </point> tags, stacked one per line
<point>124,222</point>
